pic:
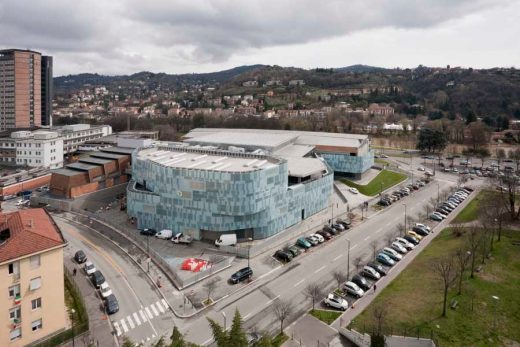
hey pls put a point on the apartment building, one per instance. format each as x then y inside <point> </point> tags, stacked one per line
<point>32,149</point>
<point>47,90</point>
<point>76,135</point>
<point>32,305</point>
<point>20,89</point>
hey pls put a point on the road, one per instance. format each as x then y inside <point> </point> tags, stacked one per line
<point>143,314</point>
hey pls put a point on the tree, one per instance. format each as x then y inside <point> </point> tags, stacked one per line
<point>462,258</point>
<point>474,240</point>
<point>313,292</point>
<point>515,156</point>
<point>340,277</point>
<point>482,154</point>
<point>379,314</point>
<point>492,210</point>
<point>210,287</point>
<point>431,140</point>
<point>501,155</point>
<point>219,335</point>
<point>479,134</point>
<point>509,193</point>
<point>177,339</point>
<point>237,336</point>
<point>357,262</point>
<point>127,342</point>
<point>282,311</point>
<point>446,273</point>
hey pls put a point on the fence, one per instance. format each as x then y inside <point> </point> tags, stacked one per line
<point>423,334</point>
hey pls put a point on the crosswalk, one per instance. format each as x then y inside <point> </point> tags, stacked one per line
<point>137,318</point>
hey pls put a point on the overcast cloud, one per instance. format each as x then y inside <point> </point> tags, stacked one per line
<point>127,36</point>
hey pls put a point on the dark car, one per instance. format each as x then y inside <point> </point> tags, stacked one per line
<point>378,267</point>
<point>330,230</point>
<point>293,250</point>
<point>383,202</point>
<point>411,239</point>
<point>148,232</point>
<point>80,257</point>
<point>326,235</point>
<point>111,304</point>
<point>421,231</point>
<point>242,274</point>
<point>97,278</point>
<point>345,223</point>
<point>361,282</point>
<point>283,255</point>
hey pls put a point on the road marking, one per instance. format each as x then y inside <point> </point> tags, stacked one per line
<point>159,306</point>
<point>150,316</point>
<point>379,230</point>
<point>123,324</point>
<point>118,330</point>
<point>130,322</point>
<point>143,316</point>
<point>154,310</point>
<point>165,303</point>
<point>366,238</point>
<point>351,248</point>
<point>296,285</point>
<point>321,268</point>
<point>339,256</point>
<point>136,318</point>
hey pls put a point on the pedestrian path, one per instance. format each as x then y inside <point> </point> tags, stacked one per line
<point>137,318</point>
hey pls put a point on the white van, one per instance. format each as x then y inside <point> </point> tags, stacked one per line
<point>164,234</point>
<point>226,240</point>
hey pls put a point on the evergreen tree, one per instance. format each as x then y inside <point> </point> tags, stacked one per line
<point>218,333</point>
<point>237,336</point>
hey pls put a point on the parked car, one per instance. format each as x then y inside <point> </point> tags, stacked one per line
<point>435,217</point>
<point>293,250</point>
<point>320,238</point>
<point>148,232</point>
<point>181,238</point>
<point>405,243</point>
<point>378,267</point>
<point>105,290</point>
<point>89,268</point>
<point>353,289</point>
<point>370,273</point>
<point>411,239</point>
<point>283,255</point>
<point>226,240</point>
<point>111,304</point>
<point>80,257</point>
<point>97,278</point>
<point>303,243</point>
<point>420,168</point>
<point>330,230</point>
<point>312,240</point>
<point>396,246</point>
<point>353,190</point>
<point>420,231</point>
<point>384,202</point>
<point>164,234</point>
<point>242,274</point>
<point>324,234</point>
<point>345,223</point>
<point>361,282</point>
<point>392,253</point>
<point>414,234</point>
<point>384,259</point>
<point>338,226</point>
<point>336,301</point>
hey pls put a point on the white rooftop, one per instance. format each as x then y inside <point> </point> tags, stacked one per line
<point>253,138</point>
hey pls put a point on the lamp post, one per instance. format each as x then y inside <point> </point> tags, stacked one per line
<point>404,218</point>
<point>495,304</point>
<point>248,249</point>
<point>72,311</point>
<point>348,260</point>
<point>148,251</point>
<point>438,190</point>
<point>224,315</point>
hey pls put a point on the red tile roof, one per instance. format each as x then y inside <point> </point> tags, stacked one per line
<point>31,231</point>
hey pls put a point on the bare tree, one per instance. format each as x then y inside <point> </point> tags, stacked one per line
<point>474,240</point>
<point>374,244</point>
<point>400,228</point>
<point>445,270</point>
<point>388,238</point>
<point>379,314</point>
<point>340,277</point>
<point>462,256</point>
<point>313,292</point>
<point>357,262</point>
<point>210,287</point>
<point>510,185</point>
<point>492,211</point>
<point>282,310</point>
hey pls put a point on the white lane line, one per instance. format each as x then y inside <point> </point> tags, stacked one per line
<point>339,256</point>
<point>143,316</point>
<point>379,230</point>
<point>351,248</point>
<point>321,268</point>
<point>159,306</point>
<point>136,318</point>
<point>297,284</point>
<point>154,310</point>
<point>165,303</point>
<point>150,316</point>
<point>118,330</point>
<point>366,238</point>
<point>123,324</point>
<point>130,322</point>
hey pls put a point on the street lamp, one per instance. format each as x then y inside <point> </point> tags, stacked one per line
<point>404,218</point>
<point>148,251</point>
<point>495,304</point>
<point>72,311</point>
<point>224,315</point>
<point>348,260</point>
<point>438,190</point>
<point>248,249</point>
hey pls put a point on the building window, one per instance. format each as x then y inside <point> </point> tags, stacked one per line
<point>14,291</point>
<point>36,325</point>
<point>15,334</point>
<point>15,314</point>
<point>35,261</point>
<point>35,283</point>
<point>14,268</point>
<point>36,303</point>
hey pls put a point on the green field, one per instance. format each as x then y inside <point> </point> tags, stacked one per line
<point>325,315</point>
<point>414,298</point>
<point>381,161</point>
<point>470,212</point>
<point>385,179</point>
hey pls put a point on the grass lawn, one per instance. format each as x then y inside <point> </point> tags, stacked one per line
<point>279,340</point>
<point>325,315</point>
<point>414,298</point>
<point>385,179</point>
<point>381,161</point>
<point>470,212</point>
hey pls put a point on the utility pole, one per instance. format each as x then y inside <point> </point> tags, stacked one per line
<point>148,251</point>
<point>404,218</point>
<point>348,260</point>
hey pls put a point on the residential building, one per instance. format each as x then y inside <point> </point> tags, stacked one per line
<point>296,82</point>
<point>76,135</point>
<point>32,149</point>
<point>254,183</point>
<point>31,278</point>
<point>47,90</point>
<point>20,89</point>
<point>380,110</point>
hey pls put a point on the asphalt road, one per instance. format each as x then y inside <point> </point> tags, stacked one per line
<point>143,314</point>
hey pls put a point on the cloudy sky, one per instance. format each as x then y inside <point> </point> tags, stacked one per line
<point>174,36</point>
